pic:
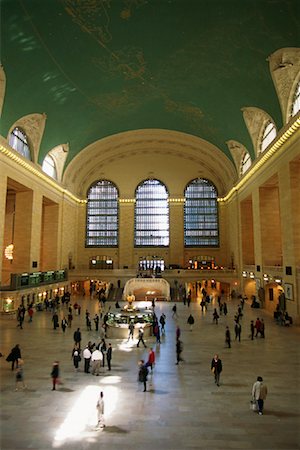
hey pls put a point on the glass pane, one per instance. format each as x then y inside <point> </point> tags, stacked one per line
<point>102,215</point>
<point>151,215</point>
<point>246,163</point>
<point>49,167</point>
<point>18,141</point>
<point>201,225</point>
<point>268,136</point>
<point>296,102</point>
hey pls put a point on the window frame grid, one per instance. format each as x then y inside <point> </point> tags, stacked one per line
<point>19,142</point>
<point>151,233</point>
<point>267,136</point>
<point>101,230</point>
<point>296,101</point>
<point>201,220</point>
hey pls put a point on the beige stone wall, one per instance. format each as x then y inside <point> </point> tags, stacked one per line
<point>294,199</point>
<point>247,235</point>
<point>67,238</point>
<point>274,191</point>
<point>49,237</point>
<point>50,224</point>
<point>126,235</point>
<point>40,206</point>
<point>271,242</point>
<point>176,250</point>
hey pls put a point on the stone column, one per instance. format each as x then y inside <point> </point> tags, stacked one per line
<point>23,231</point>
<point>3,194</point>
<point>176,249</point>
<point>126,234</point>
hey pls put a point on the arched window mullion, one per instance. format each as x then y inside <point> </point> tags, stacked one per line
<point>18,141</point>
<point>151,215</point>
<point>201,224</point>
<point>296,101</point>
<point>269,135</point>
<point>246,163</point>
<point>49,167</point>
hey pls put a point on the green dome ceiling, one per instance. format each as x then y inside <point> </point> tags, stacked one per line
<point>100,67</point>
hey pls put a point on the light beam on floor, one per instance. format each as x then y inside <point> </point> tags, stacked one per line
<point>81,420</point>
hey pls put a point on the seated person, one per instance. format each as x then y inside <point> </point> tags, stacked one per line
<point>255,303</point>
<point>287,319</point>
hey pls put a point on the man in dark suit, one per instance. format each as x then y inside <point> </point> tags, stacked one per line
<point>216,368</point>
<point>109,356</point>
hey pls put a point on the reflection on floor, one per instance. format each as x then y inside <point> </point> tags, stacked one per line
<point>183,408</point>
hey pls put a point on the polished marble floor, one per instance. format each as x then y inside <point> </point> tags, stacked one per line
<point>183,408</point>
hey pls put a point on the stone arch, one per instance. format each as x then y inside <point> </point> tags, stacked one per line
<point>284,67</point>
<point>33,126</point>
<point>256,120</point>
<point>163,152</point>
<point>2,88</point>
<point>59,154</point>
<point>238,152</point>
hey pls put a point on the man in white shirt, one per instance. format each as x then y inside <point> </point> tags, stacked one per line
<point>87,359</point>
<point>96,360</point>
<point>259,394</point>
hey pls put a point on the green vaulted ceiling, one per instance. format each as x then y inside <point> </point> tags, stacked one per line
<point>100,67</point>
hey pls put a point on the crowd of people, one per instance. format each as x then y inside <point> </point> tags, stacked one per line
<point>96,357</point>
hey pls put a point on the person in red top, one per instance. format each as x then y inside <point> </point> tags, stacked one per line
<point>30,313</point>
<point>257,326</point>
<point>151,359</point>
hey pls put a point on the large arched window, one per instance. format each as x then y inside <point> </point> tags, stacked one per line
<point>246,163</point>
<point>296,101</point>
<point>269,135</point>
<point>151,215</point>
<point>102,215</point>
<point>18,141</point>
<point>49,167</point>
<point>201,225</point>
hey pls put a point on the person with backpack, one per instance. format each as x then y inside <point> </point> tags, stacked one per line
<point>191,321</point>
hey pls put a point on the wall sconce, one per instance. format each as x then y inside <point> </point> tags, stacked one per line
<point>278,280</point>
<point>252,275</point>
<point>9,252</point>
<point>244,274</point>
<point>266,277</point>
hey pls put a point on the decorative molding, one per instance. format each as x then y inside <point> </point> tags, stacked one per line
<point>2,87</point>
<point>281,139</point>
<point>284,67</point>
<point>33,126</point>
<point>99,156</point>
<point>237,151</point>
<point>284,135</point>
<point>36,170</point>
<point>59,154</point>
<point>256,120</point>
